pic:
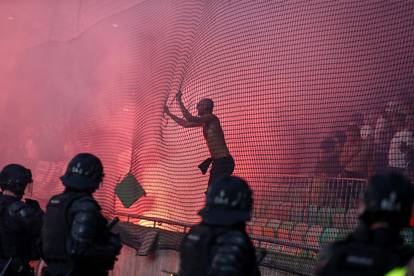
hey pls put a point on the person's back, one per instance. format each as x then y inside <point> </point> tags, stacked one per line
<point>75,238</point>
<point>328,159</point>
<point>20,223</point>
<point>375,247</point>
<point>366,252</point>
<point>220,245</point>
<point>220,158</point>
<point>214,250</point>
<point>354,156</point>
<point>402,145</point>
<point>383,133</point>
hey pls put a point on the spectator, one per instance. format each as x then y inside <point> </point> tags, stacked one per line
<point>340,139</point>
<point>402,145</point>
<point>383,133</point>
<point>407,105</point>
<point>354,156</point>
<point>219,245</point>
<point>328,166</point>
<point>355,163</point>
<point>376,247</point>
<point>366,129</point>
<point>358,119</point>
<point>328,160</point>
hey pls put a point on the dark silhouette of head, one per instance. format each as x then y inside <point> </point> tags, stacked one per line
<point>15,178</point>
<point>229,201</point>
<point>205,107</point>
<point>388,198</point>
<point>353,133</point>
<point>340,138</point>
<point>84,173</point>
<point>328,144</point>
<point>399,121</point>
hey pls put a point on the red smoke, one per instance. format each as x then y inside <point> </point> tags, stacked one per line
<point>94,76</point>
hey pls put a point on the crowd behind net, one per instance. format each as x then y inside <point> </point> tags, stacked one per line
<point>308,95</point>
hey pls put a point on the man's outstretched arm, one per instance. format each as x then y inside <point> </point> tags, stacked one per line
<point>180,121</point>
<point>188,116</point>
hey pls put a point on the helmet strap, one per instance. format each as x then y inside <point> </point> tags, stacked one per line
<point>11,193</point>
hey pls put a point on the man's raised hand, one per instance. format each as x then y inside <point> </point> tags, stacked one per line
<point>179,95</point>
<point>167,110</point>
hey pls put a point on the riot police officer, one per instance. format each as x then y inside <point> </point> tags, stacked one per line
<point>219,245</point>
<point>75,236</point>
<point>20,222</point>
<point>376,247</point>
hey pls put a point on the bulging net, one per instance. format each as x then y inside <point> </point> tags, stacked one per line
<point>307,95</point>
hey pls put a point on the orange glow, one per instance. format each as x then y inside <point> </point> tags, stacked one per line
<point>152,224</point>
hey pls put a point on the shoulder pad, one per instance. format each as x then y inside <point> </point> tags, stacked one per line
<point>198,234</point>
<point>17,207</point>
<point>237,238</point>
<point>85,204</point>
<point>200,230</point>
<point>327,250</point>
<point>56,199</point>
<point>22,213</point>
<point>405,252</point>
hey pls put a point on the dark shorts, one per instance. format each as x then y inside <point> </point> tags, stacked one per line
<point>56,270</point>
<point>221,167</point>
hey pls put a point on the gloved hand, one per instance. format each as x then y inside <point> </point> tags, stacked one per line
<point>113,249</point>
<point>116,243</point>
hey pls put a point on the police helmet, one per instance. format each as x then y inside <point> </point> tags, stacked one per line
<point>389,197</point>
<point>15,178</point>
<point>229,201</point>
<point>84,172</point>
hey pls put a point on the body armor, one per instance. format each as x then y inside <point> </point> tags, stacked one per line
<point>211,250</point>
<point>19,235</point>
<point>366,252</point>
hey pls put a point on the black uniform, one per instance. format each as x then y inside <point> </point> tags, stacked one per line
<point>75,237</point>
<point>219,245</point>
<point>376,247</point>
<point>20,225</point>
<point>365,252</point>
<point>218,251</point>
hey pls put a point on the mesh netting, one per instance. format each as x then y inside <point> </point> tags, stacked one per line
<point>292,82</point>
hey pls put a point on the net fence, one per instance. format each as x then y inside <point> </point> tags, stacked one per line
<point>309,95</point>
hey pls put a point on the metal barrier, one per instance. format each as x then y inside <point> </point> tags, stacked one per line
<point>294,217</point>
